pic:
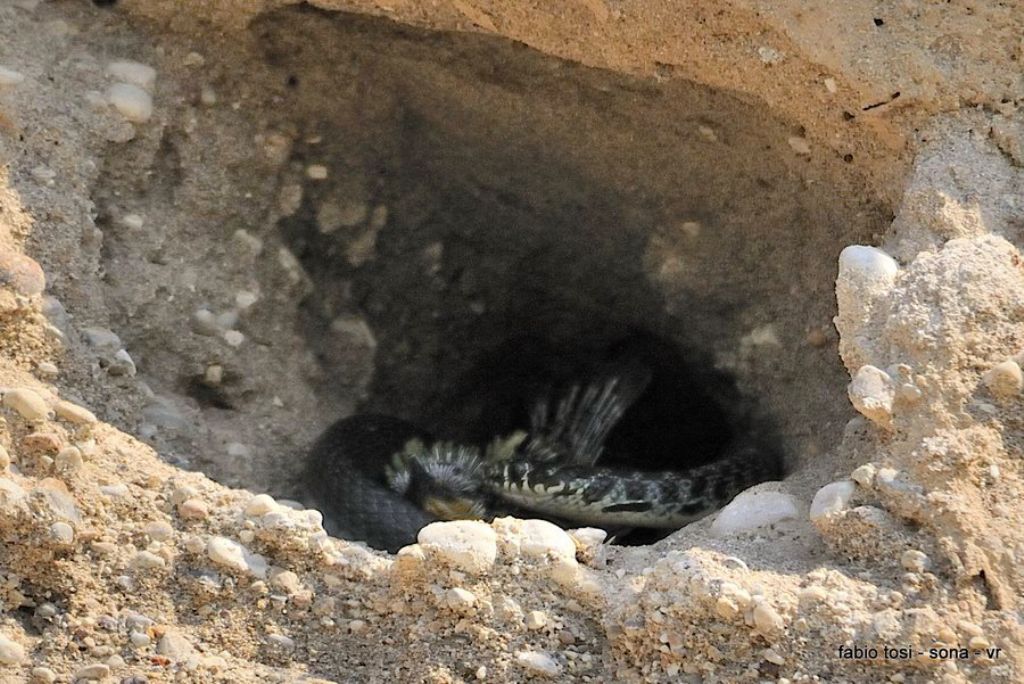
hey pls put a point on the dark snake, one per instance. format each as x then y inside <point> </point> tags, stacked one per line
<point>380,479</point>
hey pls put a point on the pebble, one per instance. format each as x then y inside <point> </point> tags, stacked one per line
<point>830,85</point>
<point>536,619</point>
<point>316,172</point>
<point>459,599</point>
<point>10,77</point>
<point>73,413</point>
<point>539,663</point>
<point>468,545</point>
<point>175,646</point>
<point>141,75</point>
<point>753,509</point>
<point>193,509</point>
<point>915,561</point>
<point>872,393</point>
<point>799,145</point>
<point>159,530</point>
<point>11,652</point>
<point>5,458</point>
<point>147,560</point>
<point>122,364</point>
<point>101,338</point>
<point>865,275</point>
<point>357,626</point>
<point>69,459</point>
<point>261,504</point>
<point>281,641</point>
<point>766,619</point>
<point>234,338</point>
<point>42,443</point>
<point>43,675</point>
<point>864,475</point>
<point>133,103</point>
<point>62,533</point>
<point>21,273</point>
<point>541,539</point>
<point>28,403</point>
<point>117,490</point>
<point>48,369</point>
<point>229,553</point>
<point>139,639</point>
<point>207,95</point>
<point>94,671</point>
<point>133,221</point>
<point>1004,380</point>
<point>832,498</point>
<point>244,299</point>
<point>204,322</point>
<point>726,608</point>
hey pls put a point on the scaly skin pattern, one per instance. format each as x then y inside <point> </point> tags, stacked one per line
<point>617,497</point>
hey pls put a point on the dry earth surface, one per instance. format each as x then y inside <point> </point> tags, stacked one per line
<point>224,225</point>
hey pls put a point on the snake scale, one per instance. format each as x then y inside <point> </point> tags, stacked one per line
<point>379,479</point>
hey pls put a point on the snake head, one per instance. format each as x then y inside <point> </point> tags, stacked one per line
<point>444,480</point>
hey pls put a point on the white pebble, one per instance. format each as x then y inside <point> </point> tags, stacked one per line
<point>94,671</point>
<point>124,366</point>
<point>915,561</point>
<point>204,322</point>
<point>766,619</point>
<point>539,663</point>
<point>139,639</point>
<point>536,619</point>
<point>1004,380</point>
<point>541,539</point>
<point>132,221</point>
<point>159,530</point>
<point>872,393</point>
<point>48,369</point>
<point>865,275</point>
<point>753,509</point>
<point>281,641</point>
<point>261,504</point>
<point>832,498</point>
<point>27,403</point>
<point>830,85</point>
<point>11,652</point>
<point>229,553</point>
<point>10,77</point>
<point>43,675</point>
<point>62,533</point>
<point>868,263</point>
<point>588,537</point>
<point>234,338</point>
<point>864,475</point>
<point>316,171</point>
<point>73,413</point>
<point>141,75</point>
<point>101,338</point>
<point>147,560</point>
<point>245,299</point>
<point>134,103</point>
<point>459,599</point>
<point>69,459</point>
<point>468,545</point>
<point>193,509</point>
<point>207,95</point>
<point>799,145</point>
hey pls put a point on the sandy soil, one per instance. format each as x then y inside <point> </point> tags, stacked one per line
<point>223,228</point>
